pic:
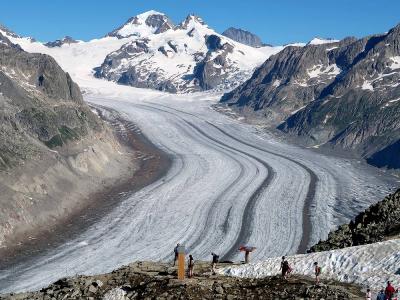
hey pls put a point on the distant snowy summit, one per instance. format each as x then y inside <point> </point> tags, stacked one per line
<point>150,51</point>
<point>151,22</point>
<point>187,57</point>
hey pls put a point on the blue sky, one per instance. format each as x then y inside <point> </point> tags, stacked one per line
<point>276,22</point>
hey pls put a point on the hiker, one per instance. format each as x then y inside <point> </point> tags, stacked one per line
<point>190,266</point>
<point>381,295</point>
<point>215,259</point>
<point>317,270</point>
<point>368,295</point>
<point>176,253</point>
<point>284,267</point>
<point>40,80</point>
<point>389,291</point>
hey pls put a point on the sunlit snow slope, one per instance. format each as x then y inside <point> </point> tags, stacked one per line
<point>370,266</point>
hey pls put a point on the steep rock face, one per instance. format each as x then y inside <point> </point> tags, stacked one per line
<point>344,94</point>
<point>189,57</point>
<point>375,224</point>
<point>36,96</point>
<point>243,36</point>
<point>53,148</point>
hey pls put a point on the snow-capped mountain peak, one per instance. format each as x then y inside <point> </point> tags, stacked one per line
<point>151,22</point>
<point>148,51</point>
<point>190,58</point>
<point>12,35</point>
<point>192,21</point>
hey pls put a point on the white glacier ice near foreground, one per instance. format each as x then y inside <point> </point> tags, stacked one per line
<point>370,266</point>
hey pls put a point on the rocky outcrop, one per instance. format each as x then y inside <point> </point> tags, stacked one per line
<point>39,100</point>
<point>58,43</point>
<point>145,280</point>
<point>377,223</point>
<point>53,149</point>
<point>339,94</point>
<point>243,36</point>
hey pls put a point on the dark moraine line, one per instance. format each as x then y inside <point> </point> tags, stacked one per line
<point>249,210</point>
<point>306,224</point>
<point>212,211</point>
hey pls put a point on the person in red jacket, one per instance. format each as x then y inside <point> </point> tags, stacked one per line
<point>389,292</point>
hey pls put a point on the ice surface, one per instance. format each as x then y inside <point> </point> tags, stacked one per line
<point>202,201</point>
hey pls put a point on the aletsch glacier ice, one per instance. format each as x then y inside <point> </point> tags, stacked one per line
<point>219,165</point>
<point>202,199</point>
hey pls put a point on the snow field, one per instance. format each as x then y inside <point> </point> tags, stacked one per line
<point>370,266</point>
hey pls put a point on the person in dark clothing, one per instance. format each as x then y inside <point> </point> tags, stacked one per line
<point>176,253</point>
<point>190,266</point>
<point>285,267</point>
<point>41,79</point>
<point>317,271</point>
<point>215,259</point>
<point>381,295</point>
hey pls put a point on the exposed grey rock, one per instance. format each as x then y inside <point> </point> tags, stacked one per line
<point>138,281</point>
<point>377,223</point>
<point>58,43</point>
<point>161,22</point>
<point>341,94</point>
<point>47,132</point>
<point>243,36</point>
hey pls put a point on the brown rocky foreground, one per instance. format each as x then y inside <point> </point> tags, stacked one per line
<point>147,280</point>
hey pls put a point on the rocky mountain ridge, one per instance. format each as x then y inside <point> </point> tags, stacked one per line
<point>58,43</point>
<point>53,148</point>
<point>379,222</point>
<point>341,94</point>
<point>244,37</point>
